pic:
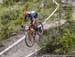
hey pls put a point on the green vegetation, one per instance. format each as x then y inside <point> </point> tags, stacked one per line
<point>60,40</point>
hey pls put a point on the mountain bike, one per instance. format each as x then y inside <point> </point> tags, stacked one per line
<point>36,34</point>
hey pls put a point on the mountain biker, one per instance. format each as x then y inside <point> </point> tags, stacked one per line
<point>32,16</point>
<point>33,19</point>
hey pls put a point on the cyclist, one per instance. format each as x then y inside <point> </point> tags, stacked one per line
<point>33,18</point>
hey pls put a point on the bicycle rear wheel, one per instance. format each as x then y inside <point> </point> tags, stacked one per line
<point>40,28</point>
<point>29,42</point>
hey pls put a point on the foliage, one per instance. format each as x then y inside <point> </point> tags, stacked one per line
<point>4,28</point>
<point>8,23</point>
<point>8,2</point>
<point>68,13</point>
<point>60,40</point>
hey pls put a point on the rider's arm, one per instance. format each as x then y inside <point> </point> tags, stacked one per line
<point>25,17</point>
<point>23,21</point>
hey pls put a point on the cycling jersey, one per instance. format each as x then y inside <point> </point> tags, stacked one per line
<point>32,15</point>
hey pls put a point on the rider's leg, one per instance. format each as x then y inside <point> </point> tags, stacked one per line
<point>23,22</point>
<point>30,33</point>
<point>31,26</point>
<point>33,22</point>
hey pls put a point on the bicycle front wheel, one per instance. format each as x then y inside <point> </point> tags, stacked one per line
<point>29,42</point>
